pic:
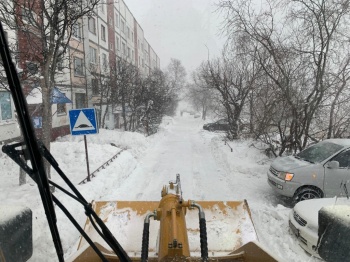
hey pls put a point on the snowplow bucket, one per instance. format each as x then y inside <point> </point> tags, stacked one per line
<point>229,227</point>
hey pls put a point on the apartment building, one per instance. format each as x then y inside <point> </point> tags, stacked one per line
<point>98,40</point>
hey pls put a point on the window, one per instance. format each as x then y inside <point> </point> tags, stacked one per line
<point>92,25</point>
<point>128,31</point>
<point>102,6</point>
<point>111,46</point>
<point>5,106</point>
<point>92,55</point>
<point>32,68</point>
<point>117,43</point>
<point>76,30</point>
<point>123,26</point>
<point>60,64</point>
<point>319,152</point>
<point>78,66</point>
<point>117,20</point>
<point>132,36</point>
<point>124,48</point>
<point>103,33</point>
<point>61,108</point>
<point>79,100</point>
<point>128,51</point>
<point>138,43</point>
<point>343,159</point>
<point>28,15</point>
<point>104,61</point>
<point>94,86</point>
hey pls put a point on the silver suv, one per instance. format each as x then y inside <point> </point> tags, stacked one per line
<point>321,170</point>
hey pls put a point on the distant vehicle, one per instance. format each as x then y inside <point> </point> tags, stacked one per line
<point>321,170</point>
<point>303,221</point>
<point>220,125</point>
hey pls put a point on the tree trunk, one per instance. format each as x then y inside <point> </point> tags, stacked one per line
<point>47,120</point>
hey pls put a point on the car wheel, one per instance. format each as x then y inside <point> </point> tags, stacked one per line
<point>307,193</point>
<point>211,129</point>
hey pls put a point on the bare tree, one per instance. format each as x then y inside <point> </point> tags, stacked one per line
<point>295,52</point>
<point>176,75</point>
<point>123,88</point>
<point>44,27</point>
<point>200,96</point>
<point>338,116</point>
<point>234,78</point>
<point>101,86</point>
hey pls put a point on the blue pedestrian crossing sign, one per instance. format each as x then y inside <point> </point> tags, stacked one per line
<point>83,121</point>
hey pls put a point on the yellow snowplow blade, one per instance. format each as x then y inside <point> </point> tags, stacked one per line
<point>230,231</point>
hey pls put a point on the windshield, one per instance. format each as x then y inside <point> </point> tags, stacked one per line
<point>319,152</point>
<point>126,94</point>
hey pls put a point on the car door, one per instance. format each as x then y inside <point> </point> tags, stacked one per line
<point>336,182</point>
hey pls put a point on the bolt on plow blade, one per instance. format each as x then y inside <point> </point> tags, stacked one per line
<point>230,232</point>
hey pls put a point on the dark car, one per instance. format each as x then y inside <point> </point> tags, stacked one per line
<point>221,125</point>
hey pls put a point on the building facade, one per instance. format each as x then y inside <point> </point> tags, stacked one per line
<point>97,42</point>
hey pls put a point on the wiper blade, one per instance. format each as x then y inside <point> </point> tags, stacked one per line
<point>307,160</point>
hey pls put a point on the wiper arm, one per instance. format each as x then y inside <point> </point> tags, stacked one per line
<point>30,142</point>
<point>307,160</point>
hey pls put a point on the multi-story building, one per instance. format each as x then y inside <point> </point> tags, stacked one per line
<point>97,42</point>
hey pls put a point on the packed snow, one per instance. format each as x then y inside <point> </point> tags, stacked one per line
<point>208,168</point>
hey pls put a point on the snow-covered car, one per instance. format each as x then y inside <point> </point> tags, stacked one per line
<point>303,221</point>
<point>220,125</point>
<point>321,170</point>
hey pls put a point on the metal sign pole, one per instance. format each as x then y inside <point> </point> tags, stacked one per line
<point>87,159</point>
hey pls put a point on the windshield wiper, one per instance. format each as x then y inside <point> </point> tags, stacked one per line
<point>307,160</point>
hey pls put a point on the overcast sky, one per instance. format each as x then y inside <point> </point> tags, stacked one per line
<point>183,29</point>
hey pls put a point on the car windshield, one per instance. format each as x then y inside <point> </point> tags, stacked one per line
<point>126,94</point>
<point>222,121</point>
<point>319,152</point>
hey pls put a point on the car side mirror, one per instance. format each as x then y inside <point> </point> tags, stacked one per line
<point>332,164</point>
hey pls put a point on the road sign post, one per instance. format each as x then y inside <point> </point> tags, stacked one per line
<point>83,122</point>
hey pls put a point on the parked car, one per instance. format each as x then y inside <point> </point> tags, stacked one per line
<point>303,221</point>
<point>321,170</point>
<point>220,125</point>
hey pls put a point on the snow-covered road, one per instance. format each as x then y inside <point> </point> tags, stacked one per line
<point>185,151</point>
<point>208,170</point>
